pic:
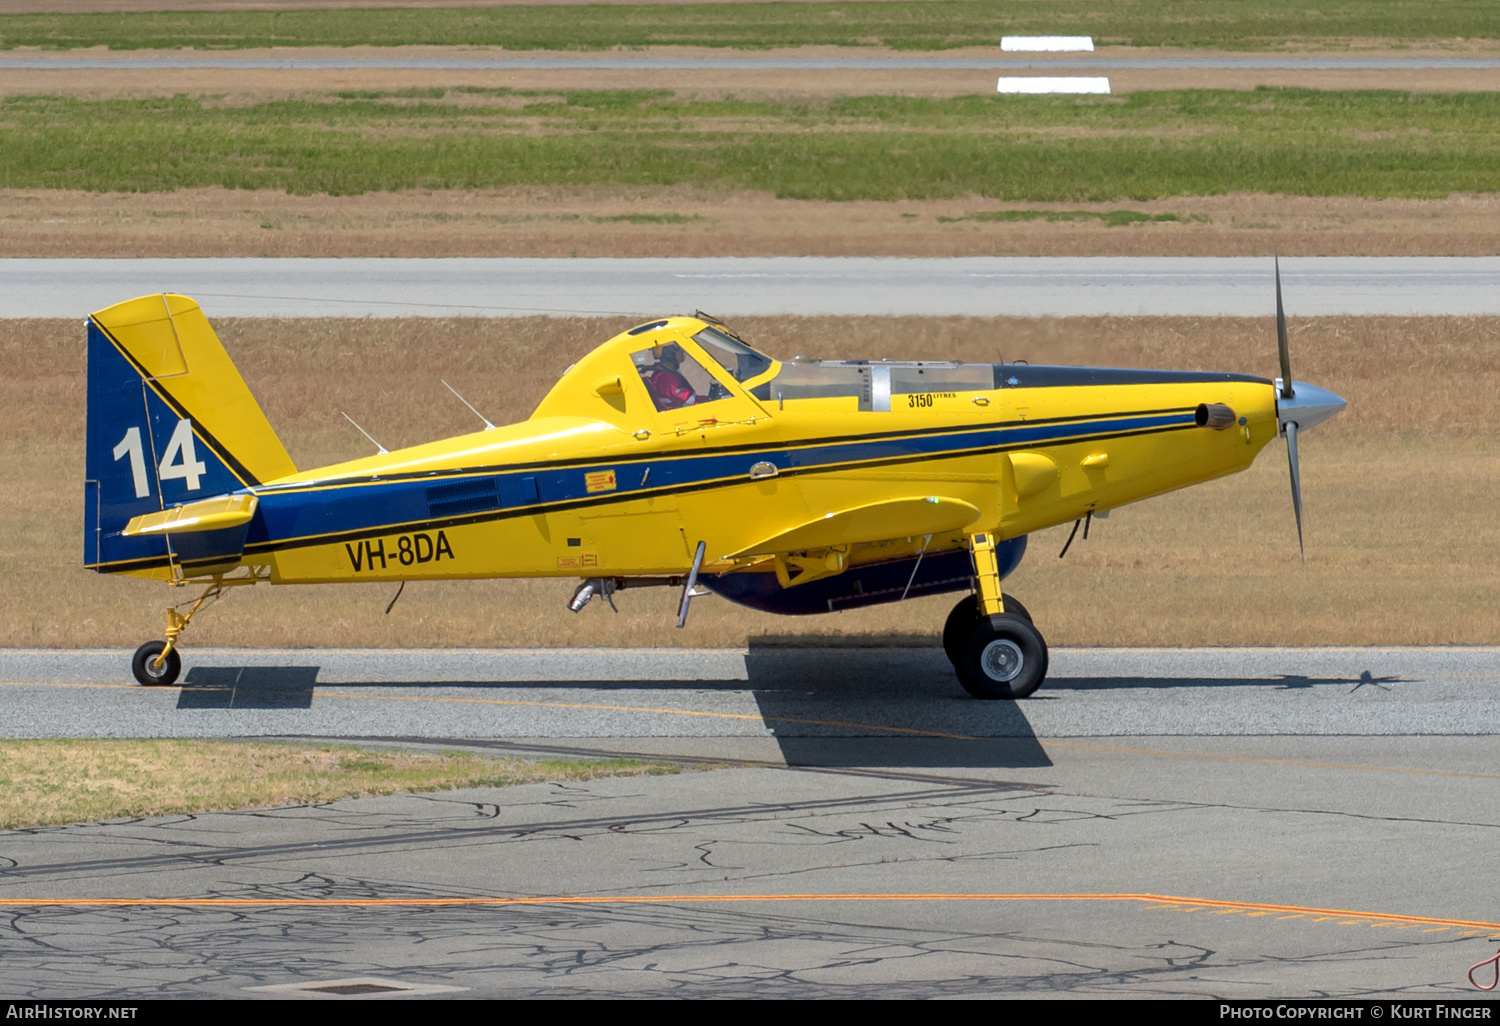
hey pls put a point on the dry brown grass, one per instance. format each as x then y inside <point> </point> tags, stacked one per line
<point>70,781</point>
<point>551,222</point>
<point>1402,548</point>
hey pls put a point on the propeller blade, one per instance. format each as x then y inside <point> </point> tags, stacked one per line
<point>1291,455</point>
<point>1281,340</point>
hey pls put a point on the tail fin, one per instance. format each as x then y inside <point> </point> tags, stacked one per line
<point>170,421</point>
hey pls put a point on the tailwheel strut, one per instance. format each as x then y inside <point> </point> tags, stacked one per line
<point>158,663</point>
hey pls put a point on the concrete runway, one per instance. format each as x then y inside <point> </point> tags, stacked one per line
<point>1238,823</point>
<point>852,62</point>
<point>728,286</point>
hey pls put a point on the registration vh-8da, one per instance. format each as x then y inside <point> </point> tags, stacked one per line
<point>675,454</point>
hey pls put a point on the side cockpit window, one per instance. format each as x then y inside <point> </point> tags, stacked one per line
<point>873,384</point>
<point>733,355</point>
<point>674,379</point>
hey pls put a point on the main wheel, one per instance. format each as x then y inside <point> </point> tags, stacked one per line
<point>962,618</point>
<point>1002,656</point>
<point>145,658</point>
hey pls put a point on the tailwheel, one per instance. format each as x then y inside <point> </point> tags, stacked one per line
<point>1001,657</point>
<point>962,619</point>
<point>155,665</point>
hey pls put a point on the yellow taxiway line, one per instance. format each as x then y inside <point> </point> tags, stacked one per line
<point>758,717</point>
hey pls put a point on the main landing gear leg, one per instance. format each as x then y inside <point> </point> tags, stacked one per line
<point>159,662</point>
<point>989,637</point>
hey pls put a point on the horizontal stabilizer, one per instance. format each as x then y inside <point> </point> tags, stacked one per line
<point>876,521</point>
<point>214,514</point>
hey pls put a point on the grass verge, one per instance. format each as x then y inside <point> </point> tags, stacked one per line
<point>1227,24</point>
<point>71,781</point>
<point>1140,146</point>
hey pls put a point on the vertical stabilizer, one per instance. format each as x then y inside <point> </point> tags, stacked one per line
<point>170,421</point>
<point>172,345</point>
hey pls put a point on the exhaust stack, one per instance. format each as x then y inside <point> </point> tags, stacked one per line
<point>1214,415</point>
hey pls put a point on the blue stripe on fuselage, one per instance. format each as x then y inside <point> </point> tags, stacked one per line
<point>340,508</point>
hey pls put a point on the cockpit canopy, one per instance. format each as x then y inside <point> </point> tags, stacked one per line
<point>677,361</point>
<point>675,379</point>
<point>692,361</point>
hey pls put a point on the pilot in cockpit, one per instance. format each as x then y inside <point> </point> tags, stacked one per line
<point>669,388</point>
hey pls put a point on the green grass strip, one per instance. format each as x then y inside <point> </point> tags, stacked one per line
<point>1097,149</point>
<point>1228,24</point>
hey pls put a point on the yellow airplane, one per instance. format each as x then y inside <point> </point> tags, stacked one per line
<point>674,454</point>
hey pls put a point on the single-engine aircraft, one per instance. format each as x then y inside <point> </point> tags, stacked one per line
<point>675,454</point>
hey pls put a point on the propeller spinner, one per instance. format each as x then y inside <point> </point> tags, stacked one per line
<point>1299,406</point>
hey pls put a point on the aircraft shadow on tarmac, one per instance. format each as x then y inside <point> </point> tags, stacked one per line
<point>248,687</point>
<point>1283,682</point>
<point>825,707</point>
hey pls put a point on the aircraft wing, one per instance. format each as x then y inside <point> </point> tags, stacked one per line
<point>872,522</point>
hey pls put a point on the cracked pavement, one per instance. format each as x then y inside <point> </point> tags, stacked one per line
<point>1054,839</point>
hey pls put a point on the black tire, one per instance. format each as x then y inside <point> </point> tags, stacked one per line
<point>962,618</point>
<point>956,628</point>
<point>146,655</point>
<point>1002,657</point>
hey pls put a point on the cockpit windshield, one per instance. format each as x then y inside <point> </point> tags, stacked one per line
<point>733,355</point>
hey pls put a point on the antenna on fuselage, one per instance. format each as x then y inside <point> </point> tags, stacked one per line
<point>487,425</point>
<point>383,449</point>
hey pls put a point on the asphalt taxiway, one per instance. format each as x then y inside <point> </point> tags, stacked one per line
<point>1243,823</point>
<point>762,692</point>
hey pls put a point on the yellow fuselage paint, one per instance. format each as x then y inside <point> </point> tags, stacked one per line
<point>600,421</point>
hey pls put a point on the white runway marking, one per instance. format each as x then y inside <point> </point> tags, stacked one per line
<point>969,286</point>
<point>1046,44</point>
<point>1032,85</point>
